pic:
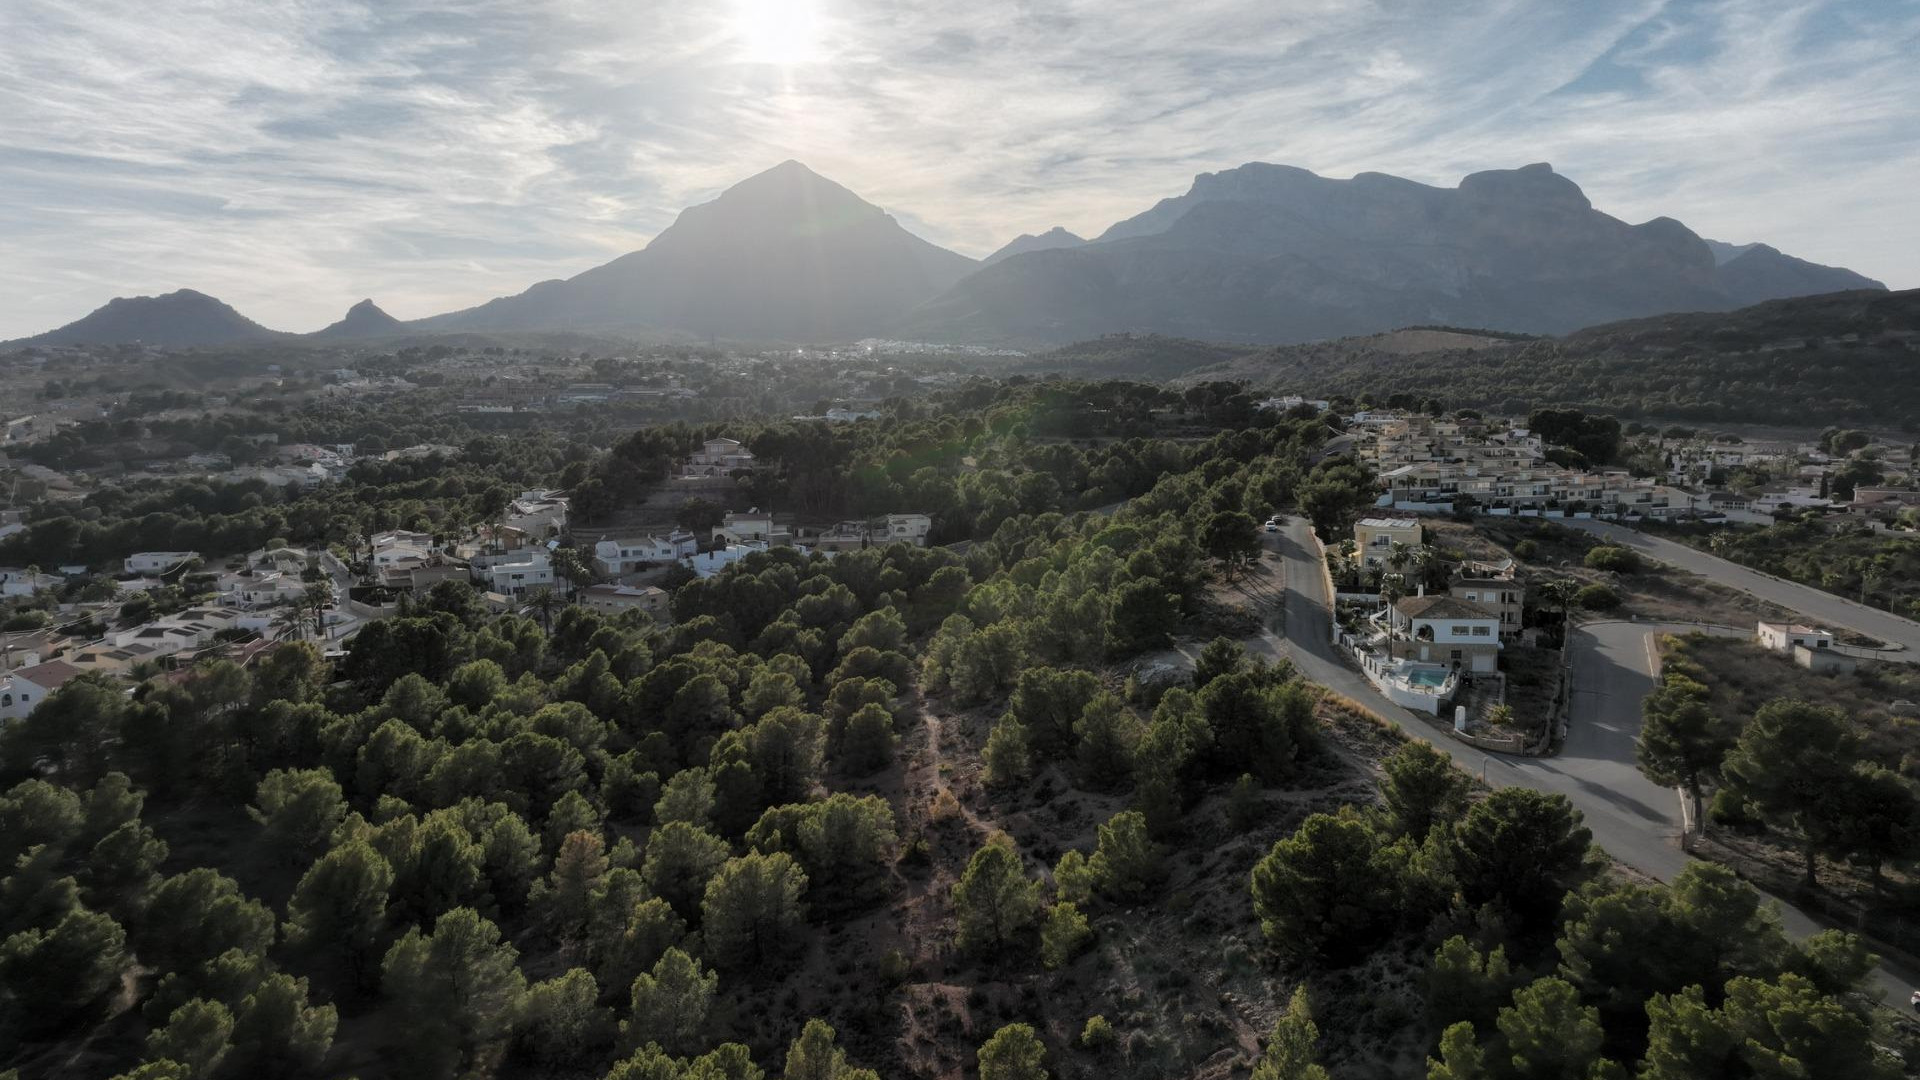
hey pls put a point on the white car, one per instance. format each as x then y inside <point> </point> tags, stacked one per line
<point>1273,524</point>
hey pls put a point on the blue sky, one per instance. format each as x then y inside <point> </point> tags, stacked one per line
<point>293,157</point>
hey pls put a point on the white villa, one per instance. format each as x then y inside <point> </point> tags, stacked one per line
<point>157,562</point>
<point>614,557</point>
<point>718,457</point>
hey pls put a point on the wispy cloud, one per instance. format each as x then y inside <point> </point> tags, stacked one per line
<point>292,157</point>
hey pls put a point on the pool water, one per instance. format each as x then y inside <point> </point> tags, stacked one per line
<point>1427,677</point>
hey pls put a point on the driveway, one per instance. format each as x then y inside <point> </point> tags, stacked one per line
<point>1814,604</point>
<point>1636,821</point>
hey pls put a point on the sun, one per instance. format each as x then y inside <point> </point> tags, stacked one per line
<point>783,32</point>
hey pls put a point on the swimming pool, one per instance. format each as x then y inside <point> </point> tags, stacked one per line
<point>1427,676</point>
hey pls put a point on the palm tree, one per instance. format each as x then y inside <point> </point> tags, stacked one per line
<point>1561,593</point>
<point>1397,556</point>
<point>290,623</point>
<point>542,600</point>
<point>1424,559</point>
<point>314,602</point>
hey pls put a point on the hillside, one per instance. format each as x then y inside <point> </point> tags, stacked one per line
<point>1137,356</point>
<point>1845,357</point>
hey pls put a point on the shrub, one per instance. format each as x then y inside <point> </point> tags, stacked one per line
<point>1597,598</point>
<point>1612,558</point>
<point>1098,1034</point>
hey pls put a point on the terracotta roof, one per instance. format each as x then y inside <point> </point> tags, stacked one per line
<point>48,676</point>
<point>1442,607</point>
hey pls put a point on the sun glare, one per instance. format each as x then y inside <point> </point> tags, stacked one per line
<point>777,31</point>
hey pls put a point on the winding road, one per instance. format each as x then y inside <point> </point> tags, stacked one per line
<point>1636,821</point>
<point>1813,604</point>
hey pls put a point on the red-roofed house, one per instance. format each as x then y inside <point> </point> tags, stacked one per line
<point>23,689</point>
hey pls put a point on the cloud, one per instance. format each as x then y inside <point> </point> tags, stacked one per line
<point>292,158</point>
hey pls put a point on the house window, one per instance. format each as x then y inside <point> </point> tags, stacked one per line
<point>1482,631</point>
<point>1457,630</point>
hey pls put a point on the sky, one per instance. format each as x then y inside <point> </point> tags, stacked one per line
<point>294,156</point>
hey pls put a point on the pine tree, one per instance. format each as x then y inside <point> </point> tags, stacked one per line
<point>1013,1053</point>
<point>751,914</point>
<point>670,1004</point>
<point>1289,1053</point>
<point>994,901</point>
<point>455,990</point>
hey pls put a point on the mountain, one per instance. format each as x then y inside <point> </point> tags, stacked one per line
<point>183,317</point>
<point>364,320</point>
<point>1764,273</point>
<point>1050,240</point>
<point>786,255</point>
<point>1272,253</point>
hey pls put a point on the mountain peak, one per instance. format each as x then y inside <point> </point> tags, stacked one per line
<point>1535,183</point>
<point>1054,238</point>
<point>784,255</point>
<point>364,320</point>
<point>180,317</point>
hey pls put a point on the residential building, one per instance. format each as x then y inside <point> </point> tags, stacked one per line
<point>708,563</point>
<point>751,527</point>
<point>617,598</point>
<point>157,562</point>
<point>400,556</point>
<point>517,572</point>
<point>1783,637</point>
<point>17,582</point>
<point>614,557</point>
<point>1444,630</point>
<point>23,689</point>
<point>541,514</point>
<point>719,457</point>
<point>1501,594</point>
<point>25,648</point>
<point>1884,499</point>
<point>405,538</point>
<point>1374,537</point>
<point>892,529</point>
<point>261,588</point>
<point>909,529</point>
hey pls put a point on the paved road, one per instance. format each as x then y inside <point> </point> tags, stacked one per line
<point>1635,821</point>
<point>1814,604</point>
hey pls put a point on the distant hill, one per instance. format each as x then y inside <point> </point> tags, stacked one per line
<point>1271,253</point>
<point>182,317</point>
<point>1840,358</point>
<point>1134,356</point>
<point>1050,240</point>
<point>363,320</point>
<point>786,255</point>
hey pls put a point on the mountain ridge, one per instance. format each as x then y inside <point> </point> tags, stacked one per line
<point>1258,254</point>
<point>1276,253</point>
